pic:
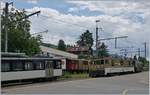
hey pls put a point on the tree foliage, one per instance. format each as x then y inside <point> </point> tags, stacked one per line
<point>49,45</point>
<point>102,51</point>
<point>143,60</point>
<point>19,37</point>
<point>82,56</point>
<point>86,40</point>
<point>68,46</point>
<point>61,45</point>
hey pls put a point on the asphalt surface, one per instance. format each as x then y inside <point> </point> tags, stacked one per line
<point>123,85</point>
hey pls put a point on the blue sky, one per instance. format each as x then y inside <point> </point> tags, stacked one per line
<point>63,19</point>
<point>60,5</point>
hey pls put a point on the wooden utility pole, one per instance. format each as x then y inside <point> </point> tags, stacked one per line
<point>40,32</point>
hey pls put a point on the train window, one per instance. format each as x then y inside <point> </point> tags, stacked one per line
<point>121,62</point>
<point>97,62</point>
<point>48,64</point>
<point>39,65</point>
<point>57,64</point>
<point>17,66</point>
<point>102,61</point>
<point>85,62</point>
<point>5,67</point>
<point>106,62</point>
<point>28,66</point>
<point>112,62</point>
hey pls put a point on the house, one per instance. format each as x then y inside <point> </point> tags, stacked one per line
<point>78,50</point>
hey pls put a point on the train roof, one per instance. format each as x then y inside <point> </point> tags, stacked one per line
<point>12,54</point>
<point>76,59</point>
<point>29,58</point>
<point>23,56</point>
<point>103,58</point>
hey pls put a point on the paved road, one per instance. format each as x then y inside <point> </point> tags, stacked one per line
<point>122,85</point>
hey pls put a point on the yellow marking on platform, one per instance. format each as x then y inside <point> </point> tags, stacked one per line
<point>124,92</point>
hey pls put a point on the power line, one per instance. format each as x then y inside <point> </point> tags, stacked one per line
<point>114,38</point>
<point>58,21</point>
<point>40,32</point>
<point>64,21</point>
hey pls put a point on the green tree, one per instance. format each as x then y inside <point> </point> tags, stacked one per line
<point>143,60</point>
<point>68,46</point>
<point>61,45</point>
<point>102,51</point>
<point>86,39</point>
<point>19,37</point>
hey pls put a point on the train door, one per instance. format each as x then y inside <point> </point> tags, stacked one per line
<point>49,68</point>
<point>63,64</point>
<point>107,63</point>
<point>57,68</point>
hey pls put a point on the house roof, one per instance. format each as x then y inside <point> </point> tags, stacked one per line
<point>71,49</point>
<point>58,52</point>
<point>13,54</point>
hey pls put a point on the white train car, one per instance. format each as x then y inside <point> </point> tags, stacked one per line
<point>22,68</point>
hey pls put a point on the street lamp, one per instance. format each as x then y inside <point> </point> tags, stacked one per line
<point>40,32</point>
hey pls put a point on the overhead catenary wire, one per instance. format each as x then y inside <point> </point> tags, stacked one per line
<point>58,21</point>
<point>64,21</point>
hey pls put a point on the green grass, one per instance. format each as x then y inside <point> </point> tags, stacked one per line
<point>74,75</point>
<point>80,75</point>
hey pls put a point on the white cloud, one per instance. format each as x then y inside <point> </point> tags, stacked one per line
<point>73,9</point>
<point>77,9</point>
<point>32,1</point>
<point>2,5</point>
<point>115,26</point>
<point>113,7</point>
